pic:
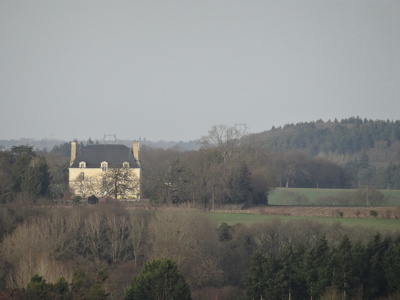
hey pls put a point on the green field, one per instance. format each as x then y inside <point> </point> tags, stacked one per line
<point>248,219</point>
<point>304,196</point>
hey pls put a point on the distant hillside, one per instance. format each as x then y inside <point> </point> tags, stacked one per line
<point>342,140</point>
<point>43,144</point>
<point>61,146</point>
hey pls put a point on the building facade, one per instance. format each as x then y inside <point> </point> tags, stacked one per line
<point>105,170</point>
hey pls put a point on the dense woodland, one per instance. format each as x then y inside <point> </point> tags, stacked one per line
<point>95,251</point>
<point>352,153</point>
<point>56,246</point>
<point>347,136</point>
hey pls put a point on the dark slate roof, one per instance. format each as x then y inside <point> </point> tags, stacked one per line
<point>115,155</point>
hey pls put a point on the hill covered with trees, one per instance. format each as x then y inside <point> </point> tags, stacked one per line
<point>346,138</point>
<point>367,150</point>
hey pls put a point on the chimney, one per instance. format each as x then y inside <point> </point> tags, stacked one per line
<point>135,149</point>
<point>73,153</point>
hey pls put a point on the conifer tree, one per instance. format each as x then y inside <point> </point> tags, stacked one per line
<point>160,279</point>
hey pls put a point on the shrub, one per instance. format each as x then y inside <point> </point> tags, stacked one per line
<point>77,199</point>
<point>93,199</point>
<point>373,213</point>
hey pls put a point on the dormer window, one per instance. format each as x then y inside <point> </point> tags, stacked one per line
<point>82,164</point>
<point>104,166</point>
<point>125,165</point>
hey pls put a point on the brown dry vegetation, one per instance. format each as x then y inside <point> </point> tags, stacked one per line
<point>362,212</point>
<point>331,212</point>
<point>55,241</point>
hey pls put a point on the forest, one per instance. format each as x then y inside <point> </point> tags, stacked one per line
<point>95,251</point>
<point>57,246</point>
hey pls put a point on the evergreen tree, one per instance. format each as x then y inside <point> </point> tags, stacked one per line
<point>291,273</point>
<point>36,178</point>
<point>61,290</point>
<point>37,289</point>
<point>343,268</point>
<point>375,284</point>
<point>160,279</point>
<point>391,263</point>
<point>21,162</point>
<point>317,268</point>
<point>240,185</point>
<point>255,283</point>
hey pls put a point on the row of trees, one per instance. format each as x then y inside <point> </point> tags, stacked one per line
<point>106,246</point>
<point>159,279</point>
<point>324,271</point>
<point>364,173</point>
<point>230,168</point>
<point>227,170</point>
<point>80,287</point>
<point>202,177</point>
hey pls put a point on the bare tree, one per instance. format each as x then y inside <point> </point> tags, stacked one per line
<point>191,241</point>
<point>225,139</point>
<point>138,231</point>
<point>6,185</point>
<point>290,167</point>
<point>30,250</point>
<point>117,235</point>
<point>120,183</point>
<point>93,235</point>
<point>87,186</point>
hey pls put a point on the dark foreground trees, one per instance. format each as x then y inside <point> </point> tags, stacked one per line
<point>296,258</point>
<point>351,270</point>
<point>160,279</point>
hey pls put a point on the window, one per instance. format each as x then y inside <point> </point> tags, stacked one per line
<point>104,166</point>
<point>125,165</point>
<point>81,176</point>
<point>82,164</point>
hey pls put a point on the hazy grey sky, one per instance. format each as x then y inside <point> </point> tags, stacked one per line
<point>169,70</point>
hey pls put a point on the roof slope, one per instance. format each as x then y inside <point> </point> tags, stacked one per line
<point>115,155</point>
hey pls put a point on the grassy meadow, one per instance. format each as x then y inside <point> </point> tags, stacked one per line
<point>309,196</point>
<point>380,225</point>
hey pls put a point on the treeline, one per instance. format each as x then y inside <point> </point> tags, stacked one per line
<point>348,270</point>
<point>95,252</point>
<point>368,150</point>
<point>346,136</point>
<point>227,172</point>
<point>204,178</point>
<point>233,168</point>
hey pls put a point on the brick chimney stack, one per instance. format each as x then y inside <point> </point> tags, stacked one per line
<point>73,153</point>
<point>135,148</point>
